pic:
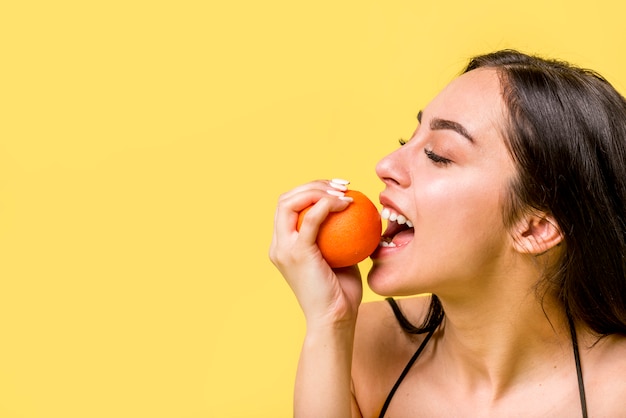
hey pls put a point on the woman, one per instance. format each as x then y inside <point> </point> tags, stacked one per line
<point>515,185</point>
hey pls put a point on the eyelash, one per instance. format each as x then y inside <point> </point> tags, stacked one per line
<point>436,158</point>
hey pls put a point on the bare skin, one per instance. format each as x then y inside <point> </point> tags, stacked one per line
<point>502,350</point>
<point>540,376</point>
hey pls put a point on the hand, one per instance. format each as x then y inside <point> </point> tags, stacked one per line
<point>326,296</point>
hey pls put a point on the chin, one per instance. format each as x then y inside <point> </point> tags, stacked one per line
<point>398,280</point>
<point>386,282</point>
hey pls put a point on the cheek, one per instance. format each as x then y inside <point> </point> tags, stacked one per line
<point>461,211</point>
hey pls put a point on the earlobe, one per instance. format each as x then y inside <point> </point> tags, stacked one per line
<point>536,234</point>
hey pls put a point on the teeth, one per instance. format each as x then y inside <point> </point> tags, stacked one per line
<point>387,244</point>
<point>393,216</point>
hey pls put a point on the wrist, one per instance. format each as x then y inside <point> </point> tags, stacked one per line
<point>334,334</point>
<point>331,326</point>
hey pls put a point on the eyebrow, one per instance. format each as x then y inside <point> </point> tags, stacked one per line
<point>440,124</point>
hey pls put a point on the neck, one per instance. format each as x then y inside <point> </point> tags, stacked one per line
<point>493,343</point>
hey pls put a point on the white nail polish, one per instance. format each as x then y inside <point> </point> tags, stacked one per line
<point>340,182</point>
<point>338,186</point>
<point>335,193</point>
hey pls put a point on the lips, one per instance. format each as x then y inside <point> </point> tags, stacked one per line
<point>399,230</point>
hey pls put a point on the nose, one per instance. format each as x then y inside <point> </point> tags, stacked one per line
<point>392,169</point>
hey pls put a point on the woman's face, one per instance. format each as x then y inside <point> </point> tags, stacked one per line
<point>450,181</point>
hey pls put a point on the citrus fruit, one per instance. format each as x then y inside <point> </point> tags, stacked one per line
<point>348,237</point>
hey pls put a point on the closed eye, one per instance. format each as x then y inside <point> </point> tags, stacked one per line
<point>436,158</point>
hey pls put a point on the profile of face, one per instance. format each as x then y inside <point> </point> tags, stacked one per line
<point>450,180</point>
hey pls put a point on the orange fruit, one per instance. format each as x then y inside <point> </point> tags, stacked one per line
<point>348,237</point>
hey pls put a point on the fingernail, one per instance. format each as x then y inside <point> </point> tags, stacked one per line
<point>335,193</point>
<point>339,184</point>
<point>340,195</point>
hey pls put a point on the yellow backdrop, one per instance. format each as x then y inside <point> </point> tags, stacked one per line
<point>143,145</point>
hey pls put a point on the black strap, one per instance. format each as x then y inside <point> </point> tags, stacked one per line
<point>579,371</point>
<point>404,373</point>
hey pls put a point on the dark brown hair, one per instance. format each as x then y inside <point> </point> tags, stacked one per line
<point>566,131</point>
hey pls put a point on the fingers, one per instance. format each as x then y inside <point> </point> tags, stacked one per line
<point>321,292</point>
<point>323,196</point>
<point>336,184</point>
<point>317,214</point>
<point>329,195</point>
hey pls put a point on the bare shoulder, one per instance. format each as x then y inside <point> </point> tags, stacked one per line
<point>604,374</point>
<point>378,328</point>
<point>379,338</point>
<point>382,348</point>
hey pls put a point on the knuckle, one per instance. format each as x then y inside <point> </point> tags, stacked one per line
<point>282,197</point>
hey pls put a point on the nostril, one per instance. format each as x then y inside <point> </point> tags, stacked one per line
<point>390,181</point>
<point>384,169</point>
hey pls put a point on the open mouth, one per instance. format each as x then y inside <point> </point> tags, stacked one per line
<point>399,230</point>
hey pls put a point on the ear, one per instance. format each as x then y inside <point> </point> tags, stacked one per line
<point>536,233</point>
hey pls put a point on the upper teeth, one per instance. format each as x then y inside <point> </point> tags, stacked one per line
<point>394,216</point>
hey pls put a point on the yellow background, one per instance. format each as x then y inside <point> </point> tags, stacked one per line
<point>143,145</point>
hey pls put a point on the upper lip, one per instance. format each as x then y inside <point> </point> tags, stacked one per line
<point>387,203</point>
